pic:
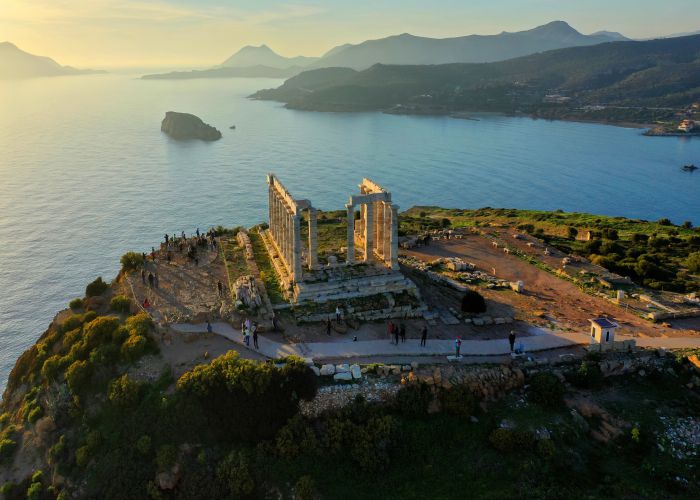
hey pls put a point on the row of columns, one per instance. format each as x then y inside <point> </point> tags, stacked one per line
<point>285,228</point>
<point>379,226</point>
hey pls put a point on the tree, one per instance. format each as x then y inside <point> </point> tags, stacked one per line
<point>97,287</point>
<point>573,232</point>
<point>131,261</point>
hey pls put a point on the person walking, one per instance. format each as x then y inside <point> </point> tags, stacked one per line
<point>150,280</point>
<point>246,337</point>
<point>396,333</point>
<point>423,335</point>
<point>390,329</point>
<point>458,345</point>
<point>328,327</point>
<point>197,232</point>
<point>338,314</point>
<point>209,328</point>
<point>255,335</point>
<point>143,276</point>
<point>402,332</point>
<point>511,340</point>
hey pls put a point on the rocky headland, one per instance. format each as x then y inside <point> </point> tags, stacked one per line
<point>185,126</point>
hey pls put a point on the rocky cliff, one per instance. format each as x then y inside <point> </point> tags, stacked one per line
<point>184,126</point>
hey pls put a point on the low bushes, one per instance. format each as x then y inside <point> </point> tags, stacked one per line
<point>546,389</point>
<point>587,376</point>
<point>76,304</point>
<point>458,400</point>
<point>131,261</point>
<point>413,400</point>
<point>96,288</point>
<point>120,303</point>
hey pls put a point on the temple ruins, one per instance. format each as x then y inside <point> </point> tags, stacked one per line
<point>371,252</point>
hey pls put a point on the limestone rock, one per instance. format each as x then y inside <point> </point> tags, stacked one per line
<point>184,126</point>
<point>356,372</point>
<point>344,368</point>
<point>327,370</point>
<point>343,376</point>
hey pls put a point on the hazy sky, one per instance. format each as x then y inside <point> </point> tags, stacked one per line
<point>181,33</point>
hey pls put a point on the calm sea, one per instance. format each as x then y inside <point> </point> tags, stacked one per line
<point>86,174</point>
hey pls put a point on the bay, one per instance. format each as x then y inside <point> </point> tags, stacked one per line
<point>86,174</point>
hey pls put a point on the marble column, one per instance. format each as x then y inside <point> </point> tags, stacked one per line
<point>379,232</point>
<point>369,232</point>
<point>313,239</point>
<point>296,247</point>
<point>394,241</point>
<point>350,258</point>
<point>386,241</point>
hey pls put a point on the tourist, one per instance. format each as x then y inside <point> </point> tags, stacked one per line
<point>396,333</point>
<point>402,332</point>
<point>255,334</point>
<point>143,276</point>
<point>246,338</point>
<point>166,238</point>
<point>183,236</point>
<point>423,335</point>
<point>328,327</point>
<point>197,232</point>
<point>170,256</point>
<point>209,328</point>
<point>220,286</point>
<point>247,324</point>
<point>143,255</point>
<point>390,329</point>
<point>146,303</point>
<point>243,328</point>
<point>511,340</point>
<point>338,314</point>
<point>458,345</point>
<point>150,280</point>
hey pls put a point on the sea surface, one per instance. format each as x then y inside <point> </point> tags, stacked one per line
<point>86,174</point>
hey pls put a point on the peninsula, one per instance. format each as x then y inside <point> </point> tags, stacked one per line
<point>303,355</point>
<point>643,83</point>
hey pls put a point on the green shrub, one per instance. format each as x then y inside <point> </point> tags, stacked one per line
<point>166,456</point>
<point>131,261</point>
<point>512,440</point>
<point>7,449</point>
<point>100,331</point>
<point>78,376</point>
<point>134,347</point>
<point>258,397</point>
<point>413,400</point>
<point>139,324</point>
<point>4,420</point>
<point>546,389</point>
<point>587,376</point>
<point>458,400</point>
<point>305,488</point>
<point>96,288</point>
<point>124,392</point>
<point>120,303</point>
<point>235,473</point>
<point>296,438</point>
<point>82,456</point>
<point>57,451</point>
<point>473,302</point>
<point>693,262</point>
<point>35,414</point>
<point>34,491</point>
<point>53,367</point>
<point>76,304</point>
<point>143,445</point>
<point>546,448</point>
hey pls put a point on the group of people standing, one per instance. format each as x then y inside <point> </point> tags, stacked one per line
<point>248,329</point>
<point>397,332</point>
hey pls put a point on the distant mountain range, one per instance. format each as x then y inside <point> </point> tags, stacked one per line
<point>406,49</point>
<point>656,73</point>
<point>17,64</point>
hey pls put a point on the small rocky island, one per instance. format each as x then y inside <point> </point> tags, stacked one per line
<point>184,126</point>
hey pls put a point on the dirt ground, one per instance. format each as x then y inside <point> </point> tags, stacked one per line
<point>546,297</point>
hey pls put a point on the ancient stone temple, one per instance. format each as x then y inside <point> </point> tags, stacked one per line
<point>371,263</point>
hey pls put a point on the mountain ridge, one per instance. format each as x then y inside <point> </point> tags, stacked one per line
<point>16,63</point>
